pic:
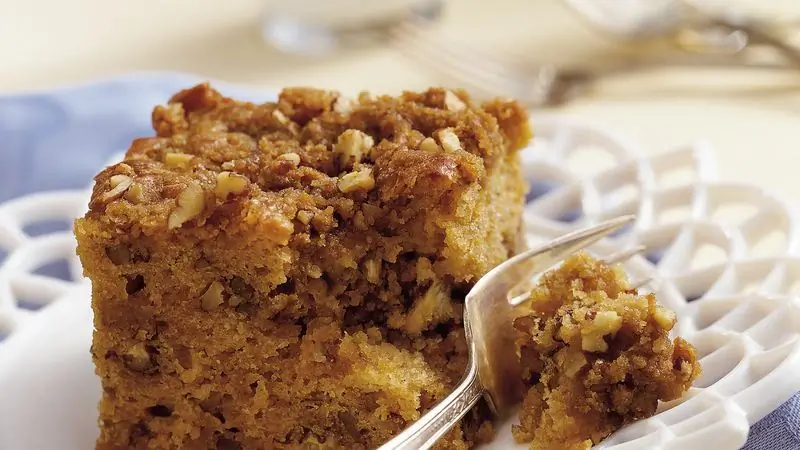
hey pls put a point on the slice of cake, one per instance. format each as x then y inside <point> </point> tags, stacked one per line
<point>291,274</point>
<point>597,356</point>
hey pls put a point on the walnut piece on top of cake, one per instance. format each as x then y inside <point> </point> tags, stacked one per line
<point>291,274</point>
<point>596,356</point>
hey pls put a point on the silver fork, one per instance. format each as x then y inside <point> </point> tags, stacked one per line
<point>493,370</point>
<point>501,73</point>
<point>692,25</point>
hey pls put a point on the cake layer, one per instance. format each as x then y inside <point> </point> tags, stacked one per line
<point>596,356</point>
<point>292,274</point>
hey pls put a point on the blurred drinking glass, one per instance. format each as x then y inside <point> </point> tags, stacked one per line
<point>318,27</point>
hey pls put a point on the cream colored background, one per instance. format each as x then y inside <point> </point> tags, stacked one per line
<point>756,127</point>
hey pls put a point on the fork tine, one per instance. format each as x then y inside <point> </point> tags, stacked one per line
<point>475,69</point>
<point>558,249</point>
<point>640,283</point>
<point>460,55</point>
<point>624,255</point>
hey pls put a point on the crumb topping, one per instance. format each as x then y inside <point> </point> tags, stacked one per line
<point>596,354</point>
<point>303,260</point>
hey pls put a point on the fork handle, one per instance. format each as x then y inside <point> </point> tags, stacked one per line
<point>429,428</point>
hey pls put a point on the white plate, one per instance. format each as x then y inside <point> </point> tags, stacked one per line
<point>728,246</point>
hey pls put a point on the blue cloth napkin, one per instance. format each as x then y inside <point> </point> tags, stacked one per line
<point>59,140</point>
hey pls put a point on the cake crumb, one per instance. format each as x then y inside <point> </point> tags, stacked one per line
<point>291,274</point>
<point>596,356</point>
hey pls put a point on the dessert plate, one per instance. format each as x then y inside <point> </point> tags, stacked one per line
<point>723,255</point>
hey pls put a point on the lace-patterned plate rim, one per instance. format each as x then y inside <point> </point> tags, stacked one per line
<point>736,303</point>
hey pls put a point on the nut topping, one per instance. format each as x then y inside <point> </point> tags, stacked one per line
<point>190,205</point>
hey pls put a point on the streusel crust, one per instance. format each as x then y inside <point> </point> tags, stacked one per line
<point>597,355</point>
<point>291,274</point>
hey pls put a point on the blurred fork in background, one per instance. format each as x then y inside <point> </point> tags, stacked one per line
<point>693,25</point>
<point>503,73</point>
<point>317,29</point>
<point>690,25</point>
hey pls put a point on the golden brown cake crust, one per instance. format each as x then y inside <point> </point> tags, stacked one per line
<point>596,355</point>
<point>291,274</point>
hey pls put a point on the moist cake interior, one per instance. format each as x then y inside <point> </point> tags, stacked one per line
<point>291,274</point>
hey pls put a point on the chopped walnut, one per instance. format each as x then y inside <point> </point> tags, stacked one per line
<point>593,336</point>
<point>424,269</point>
<point>662,344</point>
<point>117,180</point>
<point>429,145</point>
<point>305,216</point>
<point>452,102</point>
<point>415,138</point>
<point>119,254</point>
<point>272,223</point>
<point>135,193</point>
<point>119,184</point>
<point>449,140</point>
<point>665,318</point>
<point>372,271</point>
<point>138,359</point>
<point>360,221</point>
<point>430,309</point>
<point>212,297</point>
<point>177,159</point>
<point>355,181</point>
<point>124,169</point>
<point>314,271</point>
<point>574,362</point>
<point>352,146</point>
<point>292,157</point>
<point>323,220</point>
<point>280,117</point>
<point>343,105</point>
<point>190,205</point>
<point>230,183</point>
